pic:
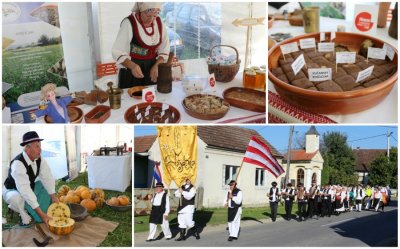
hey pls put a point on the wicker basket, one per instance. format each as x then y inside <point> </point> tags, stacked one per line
<point>224,73</point>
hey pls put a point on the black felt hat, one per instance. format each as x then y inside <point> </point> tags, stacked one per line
<point>159,184</point>
<point>274,184</point>
<point>29,137</point>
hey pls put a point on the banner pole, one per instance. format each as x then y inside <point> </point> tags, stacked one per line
<point>240,169</point>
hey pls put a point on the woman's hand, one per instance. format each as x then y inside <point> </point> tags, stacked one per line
<point>154,73</point>
<point>137,71</point>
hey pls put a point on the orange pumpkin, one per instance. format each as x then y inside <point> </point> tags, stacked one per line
<point>123,200</point>
<point>72,198</point>
<point>113,201</point>
<point>80,189</point>
<point>99,202</point>
<point>99,193</point>
<point>89,204</point>
<point>63,190</point>
<point>85,194</point>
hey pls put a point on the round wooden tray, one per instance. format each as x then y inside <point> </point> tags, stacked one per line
<point>156,109</point>
<point>332,102</point>
<point>243,103</point>
<point>75,115</point>
<point>204,116</point>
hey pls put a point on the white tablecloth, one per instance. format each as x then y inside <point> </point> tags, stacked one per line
<point>110,172</point>
<point>384,112</point>
<point>175,98</point>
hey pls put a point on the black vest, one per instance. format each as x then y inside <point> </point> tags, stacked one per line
<point>184,201</point>
<point>235,192</point>
<point>271,193</point>
<point>9,183</point>
<point>157,212</point>
<point>290,194</point>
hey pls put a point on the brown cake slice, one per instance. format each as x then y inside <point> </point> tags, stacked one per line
<point>346,82</point>
<point>372,82</point>
<point>329,86</point>
<point>277,71</point>
<point>351,68</point>
<point>379,71</point>
<point>283,78</point>
<point>302,83</point>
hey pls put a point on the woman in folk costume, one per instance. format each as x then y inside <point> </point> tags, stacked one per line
<point>141,44</point>
<point>159,213</point>
<point>384,196</point>
<point>346,201</point>
<point>359,196</point>
<point>187,195</point>
<point>339,200</point>
<point>233,201</point>
<point>378,199</point>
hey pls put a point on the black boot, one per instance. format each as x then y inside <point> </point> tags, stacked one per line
<point>181,235</point>
<point>196,233</point>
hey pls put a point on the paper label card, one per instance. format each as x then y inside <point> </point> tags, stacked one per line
<point>345,57</point>
<point>365,19</point>
<point>376,53</point>
<point>149,94</point>
<point>364,74</point>
<point>298,64</point>
<point>389,51</point>
<point>319,74</point>
<point>289,48</point>
<point>307,43</point>
<point>322,36</point>
<point>211,80</point>
<point>326,47</point>
<point>165,106</point>
<point>333,35</point>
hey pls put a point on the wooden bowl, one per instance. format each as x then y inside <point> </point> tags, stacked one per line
<point>75,115</point>
<point>120,208</point>
<point>98,115</point>
<point>136,92</point>
<point>130,116</point>
<point>332,102</point>
<point>205,116</point>
<point>246,101</point>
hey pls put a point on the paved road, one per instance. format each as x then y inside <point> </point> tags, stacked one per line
<point>364,228</point>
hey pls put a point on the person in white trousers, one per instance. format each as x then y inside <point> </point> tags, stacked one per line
<point>159,213</point>
<point>359,194</point>
<point>187,194</point>
<point>233,201</point>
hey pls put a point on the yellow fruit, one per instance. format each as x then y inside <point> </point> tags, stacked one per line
<point>63,190</point>
<point>72,198</point>
<point>60,223</point>
<point>85,194</point>
<point>99,202</point>
<point>113,201</point>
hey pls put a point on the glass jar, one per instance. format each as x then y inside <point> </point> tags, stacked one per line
<point>260,80</point>
<point>249,78</point>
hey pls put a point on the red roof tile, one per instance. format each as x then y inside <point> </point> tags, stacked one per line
<point>301,155</point>
<point>364,157</point>
<point>143,144</point>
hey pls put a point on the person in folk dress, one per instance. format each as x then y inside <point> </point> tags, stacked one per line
<point>233,201</point>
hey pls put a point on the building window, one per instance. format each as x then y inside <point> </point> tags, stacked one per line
<point>300,176</point>
<point>260,177</point>
<point>314,178</point>
<point>230,173</point>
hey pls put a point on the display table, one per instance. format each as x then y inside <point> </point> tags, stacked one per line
<point>110,172</point>
<point>385,111</point>
<point>175,98</point>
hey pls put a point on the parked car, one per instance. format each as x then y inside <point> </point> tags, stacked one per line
<point>175,41</point>
<point>192,16</point>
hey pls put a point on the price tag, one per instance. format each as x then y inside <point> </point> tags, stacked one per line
<point>148,108</point>
<point>389,51</point>
<point>326,47</point>
<point>307,43</point>
<point>298,64</point>
<point>147,113</point>
<point>319,74</point>
<point>333,35</point>
<point>138,116</point>
<point>211,81</point>
<point>149,94</point>
<point>364,74</point>
<point>376,53</point>
<point>345,57</point>
<point>289,48</point>
<point>165,106</point>
<point>136,109</point>
<point>322,36</point>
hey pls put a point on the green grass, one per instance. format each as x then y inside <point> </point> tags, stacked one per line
<point>121,236</point>
<point>214,216</point>
<point>27,69</point>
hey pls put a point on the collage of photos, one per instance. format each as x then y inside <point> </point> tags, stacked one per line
<point>194,124</point>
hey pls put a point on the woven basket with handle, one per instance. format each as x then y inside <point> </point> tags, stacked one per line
<point>224,73</point>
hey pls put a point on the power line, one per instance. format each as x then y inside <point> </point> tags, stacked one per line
<point>393,138</point>
<point>366,138</point>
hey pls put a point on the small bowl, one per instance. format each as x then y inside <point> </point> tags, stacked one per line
<point>136,92</point>
<point>120,208</point>
<point>205,116</point>
<point>332,102</point>
<point>75,115</point>
<point>130,113</point>
<point>78,212</point>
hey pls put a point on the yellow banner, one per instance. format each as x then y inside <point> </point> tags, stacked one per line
<point>178,146</point>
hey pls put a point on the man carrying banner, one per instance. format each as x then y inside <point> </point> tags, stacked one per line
<point>233,202</point>
<point>159,213</point>
<point>187,194</point>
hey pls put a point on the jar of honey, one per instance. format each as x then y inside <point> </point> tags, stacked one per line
<point>249,78</point>
<point>260,80</point>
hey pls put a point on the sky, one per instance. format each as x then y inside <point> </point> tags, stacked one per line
<point>365,137</point>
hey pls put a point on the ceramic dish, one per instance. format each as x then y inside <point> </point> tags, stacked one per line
<point>120,208</point>
<point>99,114</point>
<point>138,113</point>
<point>332,102</point>
<point>75,115</point>
<point>206,107</point>
<point>246,98</point>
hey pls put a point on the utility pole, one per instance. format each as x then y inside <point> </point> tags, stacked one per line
<point>388,134</point>
<point>287,177</point>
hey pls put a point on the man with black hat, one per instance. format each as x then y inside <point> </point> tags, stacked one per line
<point>273,200</point>
<point>186,194</point>
<point>288,195</point>
<point>30,186</point>
<point>233,202</point>
<point>159,213</point>
<point>313,195</point>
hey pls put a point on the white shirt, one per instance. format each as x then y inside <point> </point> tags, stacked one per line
<point>187,195</point>
<point>237,199</point>
<point>121,47</point>
<point>156,201</point>
<point>289,190</point>
<point>274,194</point>
<point>18,172</point>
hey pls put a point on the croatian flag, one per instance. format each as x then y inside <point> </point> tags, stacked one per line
<point>157,172</point>
<point>259,154</point>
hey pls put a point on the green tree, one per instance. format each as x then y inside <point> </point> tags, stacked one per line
<point>383,170</point>
<point>43,40</point>
<point>339,160</point>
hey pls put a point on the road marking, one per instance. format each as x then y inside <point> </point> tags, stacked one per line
<point>337,222</point>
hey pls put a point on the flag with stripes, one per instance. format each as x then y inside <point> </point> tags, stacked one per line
<point>157,172</point>
<point>259,154</point>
